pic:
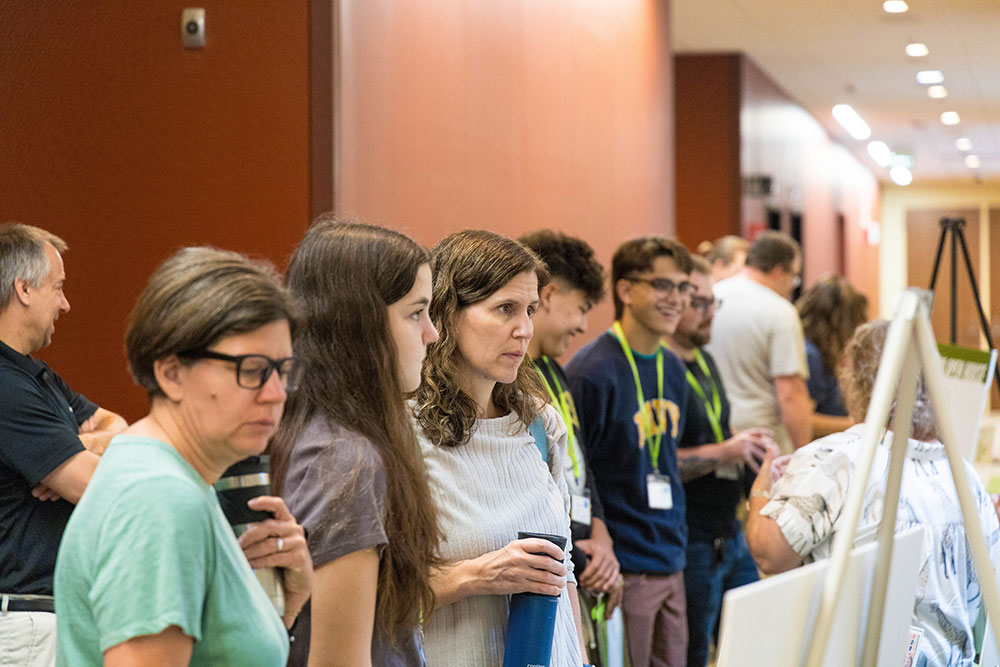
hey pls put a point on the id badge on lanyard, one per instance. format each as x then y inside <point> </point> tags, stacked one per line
<point>661,496</point>
<point>579,507</point>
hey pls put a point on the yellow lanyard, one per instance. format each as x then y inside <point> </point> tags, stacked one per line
<point>646,416</point>
<point>562,405</point>
<point>713,410</point>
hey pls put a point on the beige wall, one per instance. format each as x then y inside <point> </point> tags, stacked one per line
<point>893,254</point>
<point>510,116</point>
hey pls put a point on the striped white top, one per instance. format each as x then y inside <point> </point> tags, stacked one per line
<point>486,491</point>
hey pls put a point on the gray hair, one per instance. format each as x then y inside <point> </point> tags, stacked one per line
<point>864,353</point>
<point>22,256</point>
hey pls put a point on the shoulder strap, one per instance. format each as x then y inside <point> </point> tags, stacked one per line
<point>537,430</point>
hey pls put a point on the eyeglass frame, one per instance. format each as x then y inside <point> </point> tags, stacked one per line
<point>289,382</point>
<point>684,289</point>
<point>703,303</point>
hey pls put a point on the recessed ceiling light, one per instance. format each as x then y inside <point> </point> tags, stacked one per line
<point>963,144</point>
<point>972,161</point>
<point>852,122</point>
<point>880,153</point>
<point>950,118</point>
<point>900,175</point>
<point>917,50</point>
<point>930,76</point>
<point>895,6</point>
<point>938,92</point>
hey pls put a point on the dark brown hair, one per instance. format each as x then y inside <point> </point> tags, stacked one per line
<point>468,267</point>
<point>196,297</point>
<point>831,310</point>
<point>347,274</point>
<point>637,255</point>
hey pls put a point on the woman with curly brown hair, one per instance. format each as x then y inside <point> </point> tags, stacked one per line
<point>473,409</point>
<point>830,310</point>
<point>346,457</point>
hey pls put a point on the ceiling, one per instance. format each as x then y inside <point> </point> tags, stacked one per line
<point>827,52</point>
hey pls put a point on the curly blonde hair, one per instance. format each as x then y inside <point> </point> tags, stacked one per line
<point>468,267</point>
<point>864,353</point>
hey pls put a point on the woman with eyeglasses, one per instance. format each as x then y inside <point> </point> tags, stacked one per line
<point>474,406</point>
<point>149,571</point>
<point>346,457</point>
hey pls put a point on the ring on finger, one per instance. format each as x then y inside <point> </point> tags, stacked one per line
<point>281,543</point>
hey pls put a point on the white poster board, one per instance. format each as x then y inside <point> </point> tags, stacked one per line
<point>769,622</point>
<point>968,377</point>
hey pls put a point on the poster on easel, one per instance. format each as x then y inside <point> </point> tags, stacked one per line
<point>968,377</point>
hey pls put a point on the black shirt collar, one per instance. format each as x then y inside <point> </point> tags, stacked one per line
<point>32,367</point>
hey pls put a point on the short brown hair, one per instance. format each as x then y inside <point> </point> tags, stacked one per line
<point>772,249</point>
<point>637,255</point>
<point>831,310</point>
<point>196,297</point>
<point>22,256</point>
<point>700,265</point>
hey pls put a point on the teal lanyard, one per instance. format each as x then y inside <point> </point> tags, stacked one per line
<point>562,405</point>
<point>713,409</point>
<point>645,415</point>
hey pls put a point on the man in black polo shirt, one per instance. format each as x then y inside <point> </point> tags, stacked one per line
<point>50,440</point>
<point>712,463</point>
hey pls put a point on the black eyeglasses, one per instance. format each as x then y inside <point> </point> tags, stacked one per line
<point>665,286</point>
<point>703,303</point>
<point>254,370</point>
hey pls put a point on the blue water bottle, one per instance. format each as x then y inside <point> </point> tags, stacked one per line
<point>532,621</point>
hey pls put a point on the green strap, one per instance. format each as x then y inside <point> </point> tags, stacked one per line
<point>647,421</point>
<point>560,402</point>
<point>713,409</point>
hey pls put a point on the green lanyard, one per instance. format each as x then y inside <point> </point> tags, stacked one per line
<point>647,421</point>
<point>713,410</point>
<point>561,404</point>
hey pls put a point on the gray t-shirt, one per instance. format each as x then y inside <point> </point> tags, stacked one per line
<point>756,337</point>
<point>335,487</point>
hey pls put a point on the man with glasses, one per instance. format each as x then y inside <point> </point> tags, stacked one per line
<point>758,343</point>
<point>50,440</point>
<point>715,467</point>
<point>631,393</point>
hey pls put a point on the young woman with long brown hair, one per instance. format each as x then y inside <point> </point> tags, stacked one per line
<point>345,456</point>
<point>474,407</point>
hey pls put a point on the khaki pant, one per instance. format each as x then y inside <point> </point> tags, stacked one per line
<point>28,638</point>
<point>656,619</point>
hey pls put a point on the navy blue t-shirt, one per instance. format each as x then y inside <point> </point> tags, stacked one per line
<point>823,386</point>
<point>647,541</point>
<point>40,417</point>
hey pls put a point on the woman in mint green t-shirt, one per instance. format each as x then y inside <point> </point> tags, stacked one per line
<point>149,571</point>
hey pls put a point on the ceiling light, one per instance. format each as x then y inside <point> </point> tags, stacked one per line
<point>930,76</point>
<point>972,161</point>
<point>851,121</point>
<point>938,92</point>
<point>917,50</point>
<point>900,175</point>
<point>880,153</point>
<point>963,144</point>
<point>950,118</point>
<point>895,6</point>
